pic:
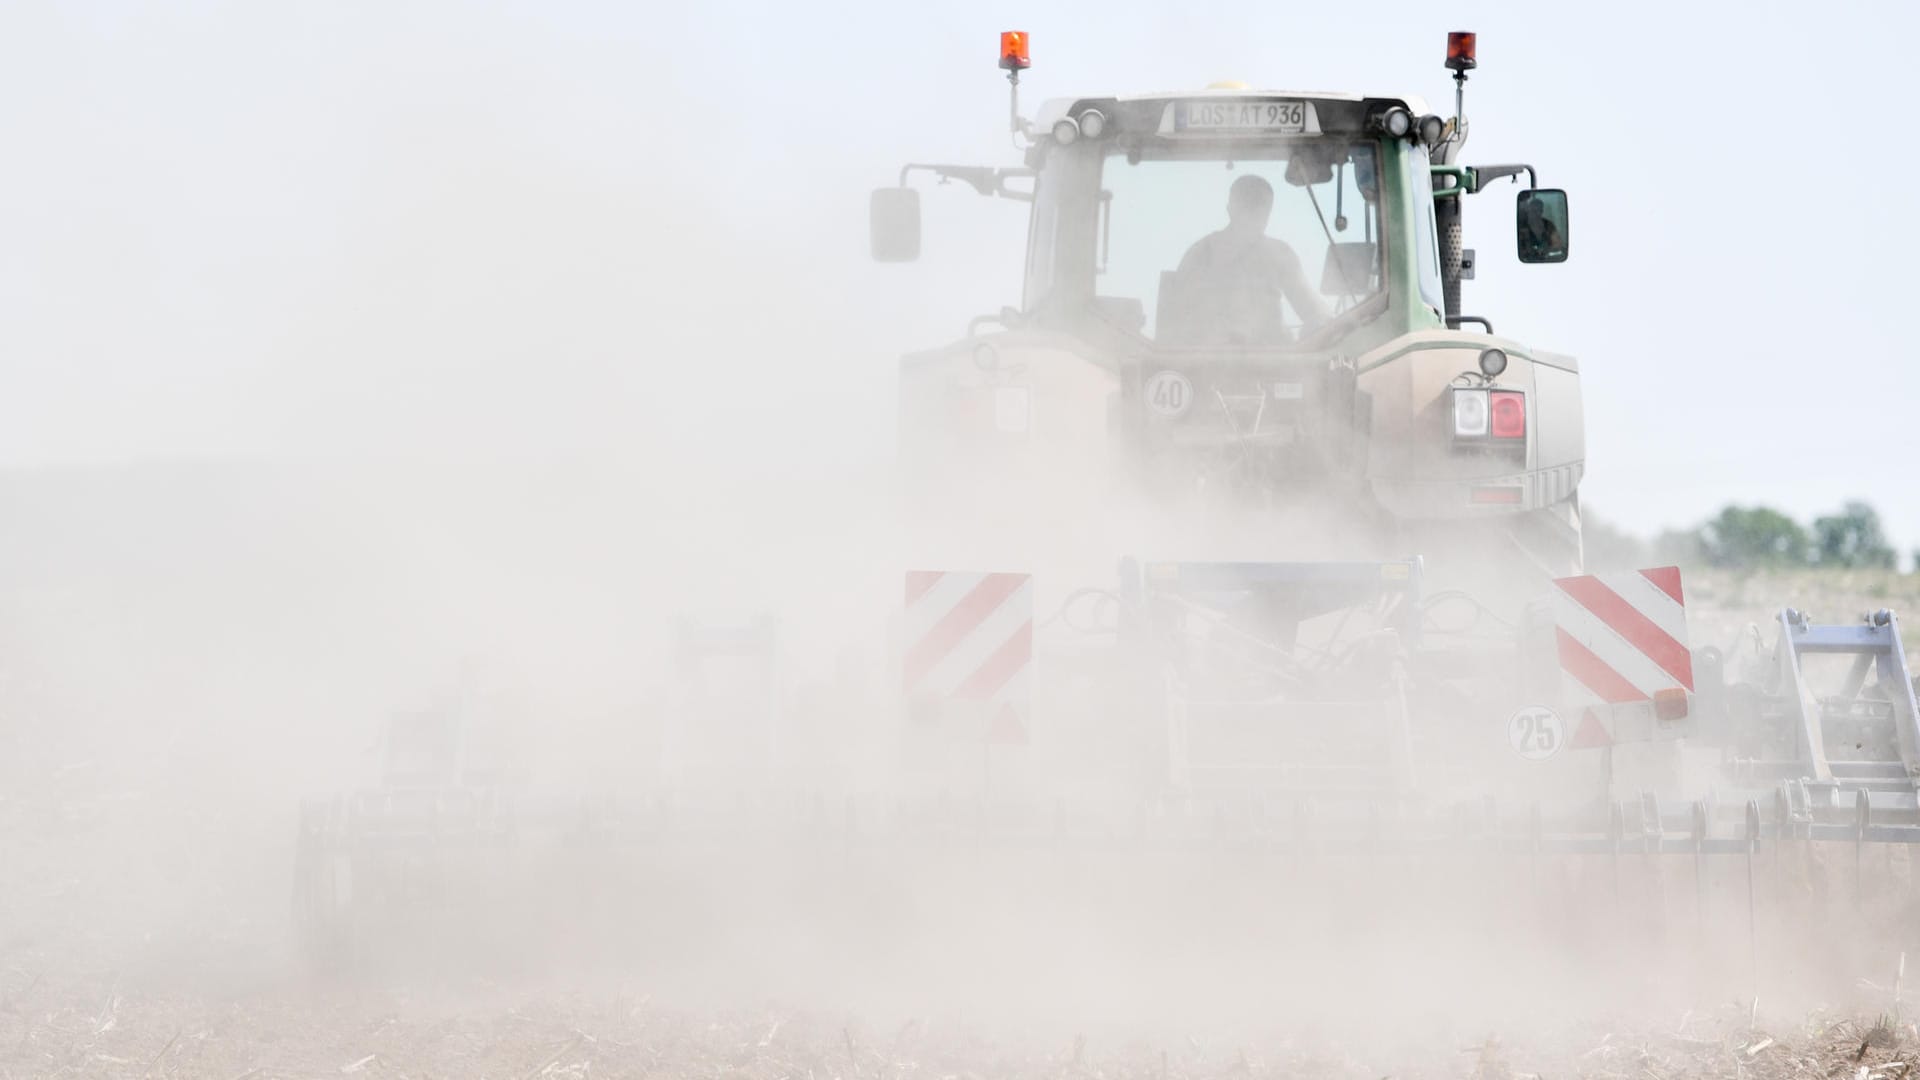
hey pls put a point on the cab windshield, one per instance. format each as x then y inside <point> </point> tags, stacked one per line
<point>1253,251</point>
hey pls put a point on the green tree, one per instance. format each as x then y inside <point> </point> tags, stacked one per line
<point>1852,538</point>
<point>1754,536</point>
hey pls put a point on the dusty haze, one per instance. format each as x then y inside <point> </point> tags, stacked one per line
<point>363,358</point>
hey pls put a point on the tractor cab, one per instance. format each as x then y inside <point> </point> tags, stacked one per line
<point>1133,228</point>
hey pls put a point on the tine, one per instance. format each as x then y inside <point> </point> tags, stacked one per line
<point>1862,819</point>
<point>1616,834</point>
<point>1700,826</point>
<point>1753,922</point>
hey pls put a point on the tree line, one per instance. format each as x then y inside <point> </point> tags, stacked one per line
<point>1756,537</point>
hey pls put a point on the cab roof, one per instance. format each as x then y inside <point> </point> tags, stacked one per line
<point>1339,112</point>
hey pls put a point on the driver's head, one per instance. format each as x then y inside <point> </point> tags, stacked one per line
<point>1250,203</point>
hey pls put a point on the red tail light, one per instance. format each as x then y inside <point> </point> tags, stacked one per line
<point>1509,419</point>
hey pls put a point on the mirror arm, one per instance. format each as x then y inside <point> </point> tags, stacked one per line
<point>1482,174</point>
<point>1453,323</point>
<point>984,179</point>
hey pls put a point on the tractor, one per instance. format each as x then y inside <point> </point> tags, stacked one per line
<point>1240,369</point>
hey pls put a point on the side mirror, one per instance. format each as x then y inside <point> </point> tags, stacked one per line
<point>894,222</point>
<point>1541,225</point>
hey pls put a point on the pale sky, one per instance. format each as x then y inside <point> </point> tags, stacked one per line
<point>254,229</point>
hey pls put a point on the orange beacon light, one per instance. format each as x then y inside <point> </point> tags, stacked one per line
<point>1013,50</point>
<point>1460,51</point>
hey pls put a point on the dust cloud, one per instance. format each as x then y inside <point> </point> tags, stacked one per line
<point>469,395</point>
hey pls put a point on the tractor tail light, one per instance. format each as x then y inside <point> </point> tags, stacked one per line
<point>1508,419</point>
<point>1013,50</point>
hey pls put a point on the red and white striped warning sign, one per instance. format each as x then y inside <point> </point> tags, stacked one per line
<point>1622,637</point>
<point>968,636</point>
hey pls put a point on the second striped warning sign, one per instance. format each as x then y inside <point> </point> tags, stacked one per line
<point>968,635</point>
<point>1622,638</point>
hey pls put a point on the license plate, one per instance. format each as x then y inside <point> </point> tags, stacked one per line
<point>1265,117</point>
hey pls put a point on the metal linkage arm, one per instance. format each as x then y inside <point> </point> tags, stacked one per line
<point>985,179</point>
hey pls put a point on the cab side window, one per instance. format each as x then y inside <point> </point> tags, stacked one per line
<point>1432,290</point>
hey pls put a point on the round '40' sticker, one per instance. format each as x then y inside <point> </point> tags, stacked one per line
<point>1536,733</point>
<point>1168,393</point>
